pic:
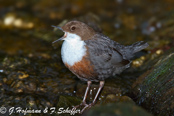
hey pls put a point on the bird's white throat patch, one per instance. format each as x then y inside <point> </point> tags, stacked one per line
<point>73,49</point>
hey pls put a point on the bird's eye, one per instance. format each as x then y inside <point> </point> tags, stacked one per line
<point>73,28</point>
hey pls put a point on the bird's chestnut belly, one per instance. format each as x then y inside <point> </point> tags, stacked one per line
<point>83,69</point>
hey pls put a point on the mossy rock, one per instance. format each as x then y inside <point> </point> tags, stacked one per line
<point>155,88</point>
<point>117,109</point>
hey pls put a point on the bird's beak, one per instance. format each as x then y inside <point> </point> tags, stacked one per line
<point>61,37</point>
<point>57,40</point>
<point>58,27</point>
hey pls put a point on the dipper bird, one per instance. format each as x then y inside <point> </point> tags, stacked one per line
<point>92,56</point>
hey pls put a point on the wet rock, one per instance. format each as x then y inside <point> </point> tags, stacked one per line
<point>111,98</point>
<point>117,109</point>
<point>154,89</point>
<point>68,101</point>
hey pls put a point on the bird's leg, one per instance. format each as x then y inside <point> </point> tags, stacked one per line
<point>86,93</point>
<point>98,92</point>
<point>85,96</point>
<point>96,96</point>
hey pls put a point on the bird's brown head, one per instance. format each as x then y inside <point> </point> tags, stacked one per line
<point>79,28</point>
<point>73,29</point>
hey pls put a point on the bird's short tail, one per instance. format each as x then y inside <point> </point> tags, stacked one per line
<point>136,47</point>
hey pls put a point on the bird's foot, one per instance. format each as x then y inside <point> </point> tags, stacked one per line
<point>82,104</point>
<point>86,106</point>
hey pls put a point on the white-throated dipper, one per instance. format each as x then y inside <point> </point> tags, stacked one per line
<point>92,56</point>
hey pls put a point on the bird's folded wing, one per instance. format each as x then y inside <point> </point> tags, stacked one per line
<point>104,54</point>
